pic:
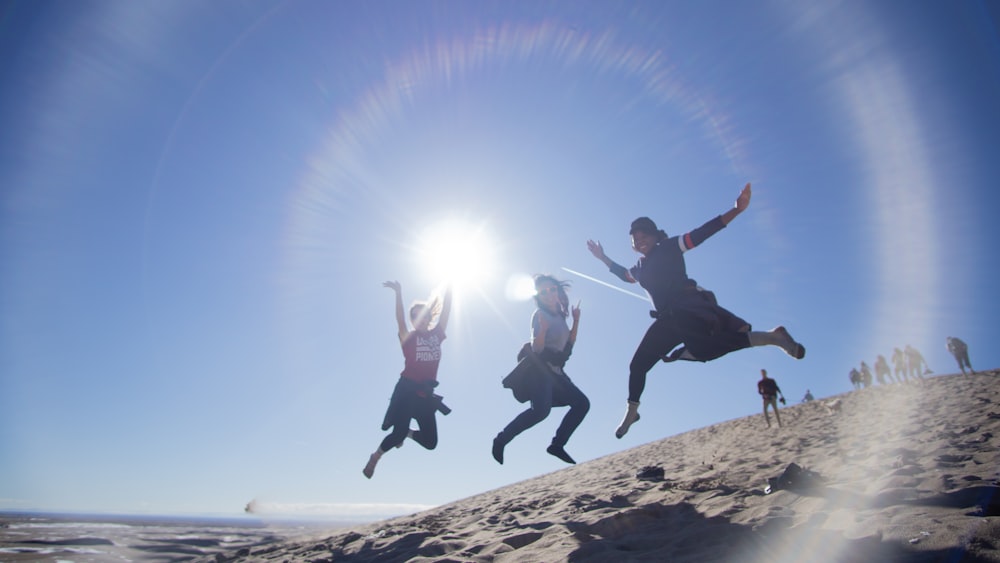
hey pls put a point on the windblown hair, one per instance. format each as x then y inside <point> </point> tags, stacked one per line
<point>433,308</point>
<point>562,287</point>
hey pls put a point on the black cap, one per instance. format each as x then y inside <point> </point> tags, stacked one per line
<point>645,225</point>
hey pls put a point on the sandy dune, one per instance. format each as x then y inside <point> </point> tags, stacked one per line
<point>900,473</point>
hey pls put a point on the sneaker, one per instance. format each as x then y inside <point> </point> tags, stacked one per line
<point>791,347</point>
<point>369,469</point>
<point>498,446</point>
<point>631,417</point>
<point>559,452</point>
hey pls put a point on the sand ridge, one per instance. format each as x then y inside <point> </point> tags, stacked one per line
<point>907,472</point>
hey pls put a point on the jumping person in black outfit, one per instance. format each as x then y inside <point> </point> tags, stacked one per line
<point>551,344</point>
<point>685,313</point>
<point>413,397</point>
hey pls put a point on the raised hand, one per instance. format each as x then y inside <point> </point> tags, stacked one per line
<point>743,200</point>
<point>393,285</point>
<point>597,250</point>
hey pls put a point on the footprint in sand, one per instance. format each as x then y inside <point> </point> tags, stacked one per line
<point>520,540</point>
<point>952,460</point>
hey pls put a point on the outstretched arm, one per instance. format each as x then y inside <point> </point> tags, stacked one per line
<point>400,315</point>
<point>617,269</point>
<point>701,234</point>
<point>445,309</point>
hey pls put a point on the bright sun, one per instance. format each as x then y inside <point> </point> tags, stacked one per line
<point>457,252</point>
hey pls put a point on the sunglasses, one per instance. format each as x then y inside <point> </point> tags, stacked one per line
<point>548,290</point>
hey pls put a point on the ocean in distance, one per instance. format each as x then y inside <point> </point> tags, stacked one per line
<point>100,538</point>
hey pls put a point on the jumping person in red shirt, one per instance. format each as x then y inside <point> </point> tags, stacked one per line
<point>413,397</point>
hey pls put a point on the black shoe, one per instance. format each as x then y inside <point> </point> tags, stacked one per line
<point>559,452</point>
<point>498,446</point>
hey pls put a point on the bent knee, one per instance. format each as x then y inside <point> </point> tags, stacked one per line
<point>639,367</point>
<point>539,413</point>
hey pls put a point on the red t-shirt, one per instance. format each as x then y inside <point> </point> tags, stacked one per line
<point>422,352</point>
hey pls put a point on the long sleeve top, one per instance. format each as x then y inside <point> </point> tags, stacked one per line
<point>663,273</point>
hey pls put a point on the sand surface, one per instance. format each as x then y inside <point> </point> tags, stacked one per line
<point>904,472</point>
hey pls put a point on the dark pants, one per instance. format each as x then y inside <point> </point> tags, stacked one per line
<point>962,357</point>
<point>666,333</point>
<point>407,404</point>
<point>550,389</point>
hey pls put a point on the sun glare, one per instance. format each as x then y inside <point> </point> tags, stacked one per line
<point>456,252</point>
<point>520,287</point>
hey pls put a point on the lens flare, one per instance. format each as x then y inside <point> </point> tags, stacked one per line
<point>520,287</point>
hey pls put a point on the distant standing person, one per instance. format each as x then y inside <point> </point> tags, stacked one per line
<point>899,364</point>
<point>855,376</point>
<point>552,341</point>
<point>960,350</point>
<point>866,374</point>
<point>413,397</point>
<point>769,391</point>
<point>882,372</point>
<point>915,362</point>
<point>809,397</point>
<point>685,314</point>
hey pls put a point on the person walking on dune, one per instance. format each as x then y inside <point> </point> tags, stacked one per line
<point>768,389</point>
<point>899,365</point>
<point>548,386</point>
<point>413,397</point>
<point>688,322</point>
<point>960,350</point>
<point>882,372</point>
<point>915,362</point>
<point>866,374</point>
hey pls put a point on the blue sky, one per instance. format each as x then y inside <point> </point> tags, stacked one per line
<point>199,204</point>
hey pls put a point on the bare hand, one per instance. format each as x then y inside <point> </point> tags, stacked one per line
<point>596,249</point>
<point>743,200</point>
<point>575,311</point>
<point>393,285</point>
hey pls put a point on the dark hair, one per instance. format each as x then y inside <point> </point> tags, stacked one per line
<point>560,285</point>
<point>646,225</point>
